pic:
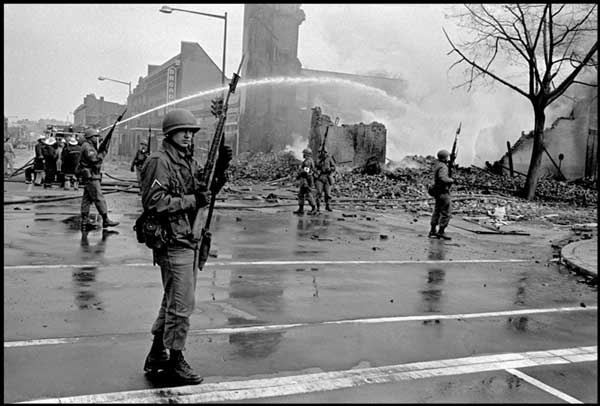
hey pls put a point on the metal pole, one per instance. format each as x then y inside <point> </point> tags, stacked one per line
<point>224,44</point>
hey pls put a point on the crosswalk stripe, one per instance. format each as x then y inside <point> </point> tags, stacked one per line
<point>247,263</point>
<point>256,329</point>
<point>543,386</point>
<point>327,381</point>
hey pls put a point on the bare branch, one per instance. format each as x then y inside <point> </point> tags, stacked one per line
<point>569,79</point>
<point>483,70</point>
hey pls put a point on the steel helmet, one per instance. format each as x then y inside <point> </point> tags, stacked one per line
<point>306,151</point>
<point>443,154</point>
<point>179,119</point>
<point>91,132</point>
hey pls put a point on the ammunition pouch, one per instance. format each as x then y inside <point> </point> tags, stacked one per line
<point>151,230</point>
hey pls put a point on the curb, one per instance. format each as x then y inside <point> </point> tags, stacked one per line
<point>582,256</point>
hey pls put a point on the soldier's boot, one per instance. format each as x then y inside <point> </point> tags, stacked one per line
<point>300,210</point>
<point>327,207</point>
<point>313,211</point>
<point>157,358</point>
<point>432,232</point>
<point>106,222</point>
<point>441,234</point>
<point>181,371</point>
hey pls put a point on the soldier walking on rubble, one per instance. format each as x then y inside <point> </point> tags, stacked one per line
<point>172,195</point>
<point>324,180</point>
<point>441,193</point>
<point>306,182</point>
<point>90,172</point>
<point>138,162</point>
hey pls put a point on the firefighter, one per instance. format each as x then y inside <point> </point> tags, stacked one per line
<point>70,159</point>
<point>138,162</point>
<point>306,182</point>
<point>173,193</point>
<point>441,186</point>
<point>324,180</point>
<point>38,161</point>
<point>50,154</point>
<point>90,172</point>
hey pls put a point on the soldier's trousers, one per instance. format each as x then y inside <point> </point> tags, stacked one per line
<point>323,188</point>
<point>92,193</point>
<point>305,192</point>
<point>179,286</point>
<point>441,212</point>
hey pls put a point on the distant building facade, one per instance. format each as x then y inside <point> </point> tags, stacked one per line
<point>98,113</point>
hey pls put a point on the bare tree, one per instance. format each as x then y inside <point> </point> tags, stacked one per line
<point>537,50</point>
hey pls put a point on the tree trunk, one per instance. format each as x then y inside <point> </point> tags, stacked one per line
<point>537,152</point>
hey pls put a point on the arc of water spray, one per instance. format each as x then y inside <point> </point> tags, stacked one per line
<point>278,80</point>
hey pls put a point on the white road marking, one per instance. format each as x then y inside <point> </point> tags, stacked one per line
<point>327,381</point>
<point>256,329</point>
<point>543,386</point>
<point>315,262</point>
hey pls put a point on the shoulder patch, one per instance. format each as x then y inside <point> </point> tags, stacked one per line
<point>156,182</point>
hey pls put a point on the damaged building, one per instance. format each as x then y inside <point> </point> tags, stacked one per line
<point>571,144</point>
<point>349,145</point>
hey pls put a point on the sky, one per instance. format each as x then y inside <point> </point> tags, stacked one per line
<point>54,53</point>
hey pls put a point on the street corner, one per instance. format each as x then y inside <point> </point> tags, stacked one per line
<point>582,256</point>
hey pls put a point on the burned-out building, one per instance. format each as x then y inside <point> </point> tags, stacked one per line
<point>571,143</point>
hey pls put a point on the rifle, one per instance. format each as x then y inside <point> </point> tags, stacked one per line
<point>322,148</point>
<point>203,237</point>
<point>106,141</point>
<point>149,137</point>
<point>453,153</point>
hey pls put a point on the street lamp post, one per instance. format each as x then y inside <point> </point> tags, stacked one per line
<point>115,80</point>
<point>169,10</point>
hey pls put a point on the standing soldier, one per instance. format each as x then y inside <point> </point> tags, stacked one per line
<point>441,186</point>
<point>172,193</point>
<point>138,162</point>
<point>324,181</point>
<point>70,159</point>
<point>50,157</point>
<point>90,167</point>
<point>306,183</point>
<point>38,161</point>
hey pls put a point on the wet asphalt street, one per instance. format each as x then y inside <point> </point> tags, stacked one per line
<point>348,306</point>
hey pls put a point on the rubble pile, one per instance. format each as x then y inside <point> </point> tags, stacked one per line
<point>259,166</point>
<point>404,184</point>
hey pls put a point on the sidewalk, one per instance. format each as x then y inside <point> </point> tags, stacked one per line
<point>582,255</point>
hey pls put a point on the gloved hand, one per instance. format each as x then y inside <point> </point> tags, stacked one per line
<point>202,196</point>
<point>225,155</point>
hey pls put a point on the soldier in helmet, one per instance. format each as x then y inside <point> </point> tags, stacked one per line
<point>172,191</point>
<point>306,182</point>
<point>324,180</point>
<point>90,172</point>
<point>441,185</point>
<point>138,161</point>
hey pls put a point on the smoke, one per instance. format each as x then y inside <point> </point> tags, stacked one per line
<point>298,144</point>
<point>406,41</point>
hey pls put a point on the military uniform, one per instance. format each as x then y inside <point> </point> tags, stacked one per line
<point>172,191</point>
<point>306,183</point>
<point>90,172</point>
<point>138,161</point>
<point>442,210</point>
<point>324,180</point>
